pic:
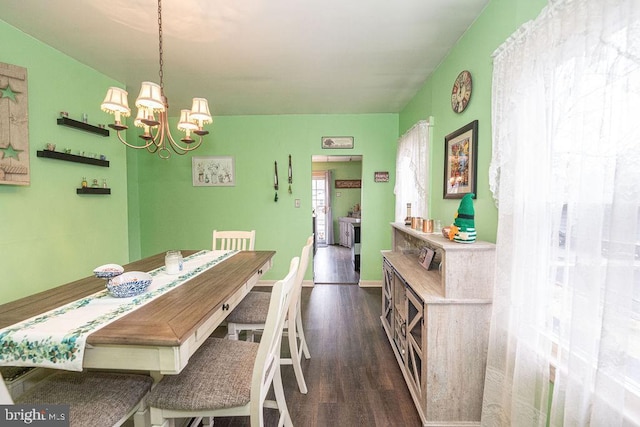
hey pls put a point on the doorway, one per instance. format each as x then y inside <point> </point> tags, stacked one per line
<point>337,256</point>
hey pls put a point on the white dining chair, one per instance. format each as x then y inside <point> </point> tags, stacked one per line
<point>95,398</point>
<point>234,240</point>
<point>251,313</point>
<point>230,378</point>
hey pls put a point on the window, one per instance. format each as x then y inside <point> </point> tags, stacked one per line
<point>412,170</point>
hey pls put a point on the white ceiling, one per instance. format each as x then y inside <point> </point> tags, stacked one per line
<point>258,56</point>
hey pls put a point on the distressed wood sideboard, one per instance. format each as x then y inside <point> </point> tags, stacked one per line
<point>437,322</point>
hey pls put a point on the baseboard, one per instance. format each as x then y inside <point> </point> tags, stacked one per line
<point>370,283</point>
<point>270,283</point>
<point>310,284</point>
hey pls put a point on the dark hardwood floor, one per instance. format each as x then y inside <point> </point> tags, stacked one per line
<point>352,376</point>
<point>332,264</point>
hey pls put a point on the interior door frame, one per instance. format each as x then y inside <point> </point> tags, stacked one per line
<point>322,158</point>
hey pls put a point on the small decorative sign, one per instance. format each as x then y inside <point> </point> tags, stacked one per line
<point>381,176</point>
<point>348,183</point>
<point>337,142</point>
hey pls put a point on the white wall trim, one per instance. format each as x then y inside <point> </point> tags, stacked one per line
<point>305,283</point>
<point>370,283</point>
<point>266,283</point>
<point>310,284</point>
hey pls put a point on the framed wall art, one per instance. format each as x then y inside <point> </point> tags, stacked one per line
<point>337,142</point>
<point>460,161</point>
<point>213,171</point>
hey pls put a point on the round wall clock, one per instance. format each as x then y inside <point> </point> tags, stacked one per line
<point>461,92</point>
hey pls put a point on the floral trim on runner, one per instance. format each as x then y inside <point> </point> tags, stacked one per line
<point>68,349</point>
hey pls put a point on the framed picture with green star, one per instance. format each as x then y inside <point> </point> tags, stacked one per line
<point>14,126</point>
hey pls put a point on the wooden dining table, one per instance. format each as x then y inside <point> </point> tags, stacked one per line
<point>161,336</point>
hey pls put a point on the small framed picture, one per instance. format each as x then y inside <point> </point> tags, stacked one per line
<point>425,257</point>
<point>337,142</point>
<point>213,171</point>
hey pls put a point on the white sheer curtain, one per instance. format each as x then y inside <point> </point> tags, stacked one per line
<point>412,170</point>
<point>565,174</point>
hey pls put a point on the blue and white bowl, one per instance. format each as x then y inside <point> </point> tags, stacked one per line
<point>108,271</point>
<point>129,284</point>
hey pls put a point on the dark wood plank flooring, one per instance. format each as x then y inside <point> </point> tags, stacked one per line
<point>353,377</point>
<point>332,264</point>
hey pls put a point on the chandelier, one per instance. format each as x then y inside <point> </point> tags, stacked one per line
<point>151,101</point>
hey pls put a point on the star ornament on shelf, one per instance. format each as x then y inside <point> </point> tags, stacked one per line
<point>9,152</point>
<point>9,93</point>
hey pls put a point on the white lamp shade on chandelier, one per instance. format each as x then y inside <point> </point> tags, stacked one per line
<point>186,122</point>
<point>150,97</point>
<point>200,111</point>
<point>139,117</point>
<point>116,103</point>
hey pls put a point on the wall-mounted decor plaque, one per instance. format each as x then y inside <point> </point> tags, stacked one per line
<point>348,183</point>
<point>14,126</point>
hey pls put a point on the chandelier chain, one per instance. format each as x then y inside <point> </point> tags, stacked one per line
<point>160,44</point>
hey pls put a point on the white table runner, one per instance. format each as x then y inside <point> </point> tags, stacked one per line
<point>57,339</point>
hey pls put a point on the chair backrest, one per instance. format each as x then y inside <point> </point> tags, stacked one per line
<point>267,363</point>
<point>234,240</point>
<point>302,269</point>
<point>5,396</point>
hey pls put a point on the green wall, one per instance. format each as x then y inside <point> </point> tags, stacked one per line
<point>49,235</point>
<point>342,199</point>
<point>175,214</point>
<point>472,52</point>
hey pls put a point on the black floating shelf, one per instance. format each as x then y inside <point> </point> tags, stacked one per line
<point>93,190</point>
<point>66,121</point>
<point>72,158</point>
